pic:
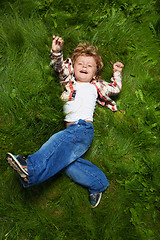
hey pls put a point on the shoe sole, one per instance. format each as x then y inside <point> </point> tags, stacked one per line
<point>100,196</point>
<point>12,161</point>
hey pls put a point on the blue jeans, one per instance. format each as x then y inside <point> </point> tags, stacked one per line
<point>63,151</point>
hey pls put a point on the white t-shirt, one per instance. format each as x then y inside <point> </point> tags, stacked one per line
<point>82,107</point>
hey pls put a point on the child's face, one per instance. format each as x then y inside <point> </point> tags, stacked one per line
<point>85,68</point>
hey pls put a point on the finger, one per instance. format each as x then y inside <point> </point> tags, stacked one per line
<point>119,64</point>
<point>117,67</point>
<point>61,42</point>
<point>56,39</point>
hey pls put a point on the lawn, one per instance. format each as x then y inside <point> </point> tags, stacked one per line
<point>126,145</point>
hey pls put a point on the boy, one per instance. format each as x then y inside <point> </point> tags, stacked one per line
<point>80,79</point>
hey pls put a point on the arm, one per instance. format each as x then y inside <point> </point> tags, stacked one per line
<point>56,56</point>
<point>105,89</point>
<point>115,86</point>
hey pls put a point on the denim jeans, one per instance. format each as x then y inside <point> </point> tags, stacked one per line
<point>63,151</point>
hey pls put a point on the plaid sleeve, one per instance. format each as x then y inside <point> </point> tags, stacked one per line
<point>106,90</point>
<point>115,86</point>
<point>64,68</point>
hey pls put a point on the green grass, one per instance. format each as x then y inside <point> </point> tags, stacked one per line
<point>126,143</point>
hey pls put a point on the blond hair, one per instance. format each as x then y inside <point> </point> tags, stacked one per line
<point>84,49</point>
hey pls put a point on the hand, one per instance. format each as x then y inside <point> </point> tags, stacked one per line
<point>57,44</point>
<point>118,66</point>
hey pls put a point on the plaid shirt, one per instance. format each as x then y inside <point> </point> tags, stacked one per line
<point>67,79</point>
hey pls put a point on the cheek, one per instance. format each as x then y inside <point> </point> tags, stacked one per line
<point>94,73</point>
<point>76,68</point>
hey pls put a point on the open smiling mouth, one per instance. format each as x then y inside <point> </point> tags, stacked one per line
<point>85,72</point>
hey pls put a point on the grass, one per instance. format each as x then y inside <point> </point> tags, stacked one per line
<point>126,143</point>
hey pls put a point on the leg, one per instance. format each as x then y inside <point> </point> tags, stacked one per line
<point>85,173</point>
<point>59,151</point>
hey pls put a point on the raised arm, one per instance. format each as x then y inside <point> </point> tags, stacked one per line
<point>107,89</point>
<point>115,86</point>
<point>56,54</point>
<point>57,61</point>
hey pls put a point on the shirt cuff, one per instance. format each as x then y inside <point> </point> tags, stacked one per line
<point>117,73</point>
<point>55,54</point>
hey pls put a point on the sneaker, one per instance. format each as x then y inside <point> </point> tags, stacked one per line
<point>19,164</point>
<point>95,199</point>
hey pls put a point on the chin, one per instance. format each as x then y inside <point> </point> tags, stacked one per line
<point>84,81</point>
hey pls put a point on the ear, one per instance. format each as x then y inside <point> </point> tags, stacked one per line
<point>95,75</point>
